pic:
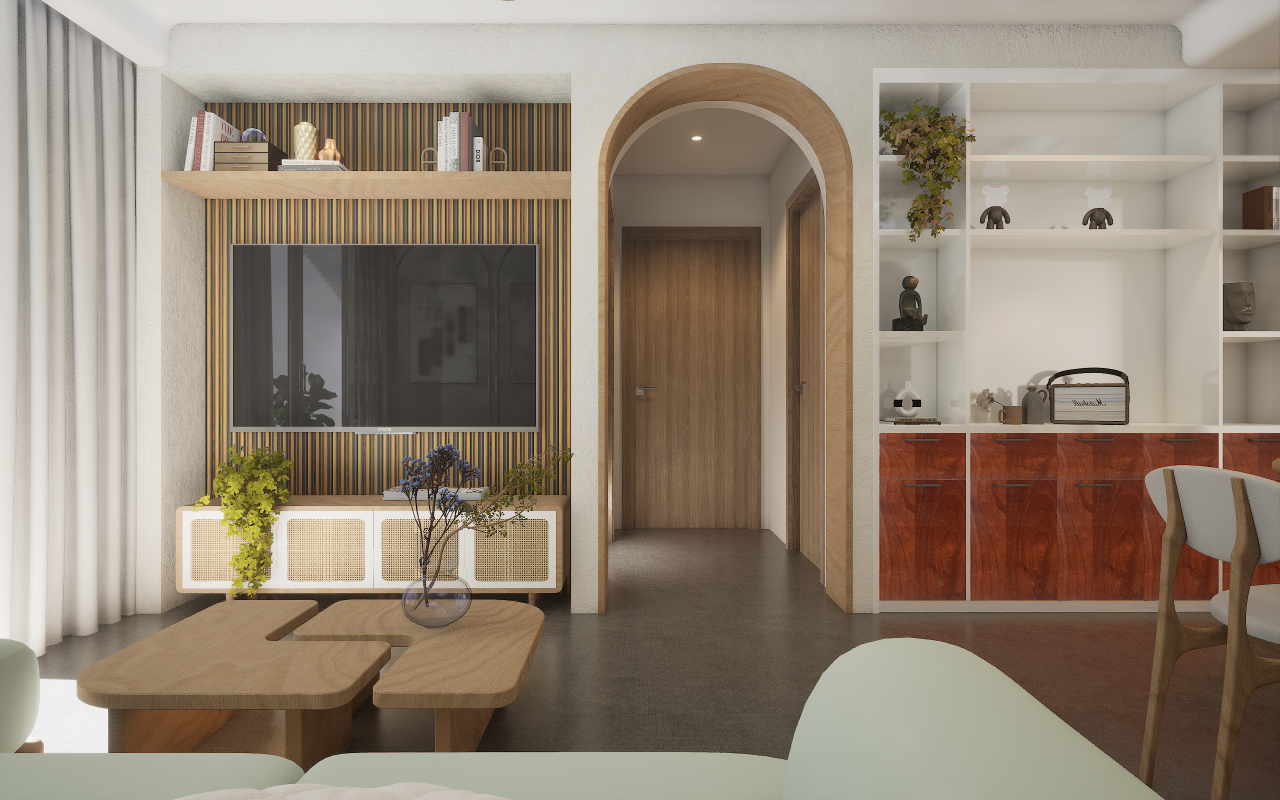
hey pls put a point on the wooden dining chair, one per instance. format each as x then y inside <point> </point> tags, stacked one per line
<point>1233,517</point>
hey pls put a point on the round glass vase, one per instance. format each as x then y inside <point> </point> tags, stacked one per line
<point>439,598</point>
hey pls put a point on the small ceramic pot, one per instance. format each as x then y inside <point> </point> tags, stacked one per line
<point>330,152</point>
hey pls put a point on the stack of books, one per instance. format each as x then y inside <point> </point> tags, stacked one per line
<point>459,145</point>
<point>1261,209</point>
<point>207,129</point>
<point>308,165</point>
<point>246,156</point>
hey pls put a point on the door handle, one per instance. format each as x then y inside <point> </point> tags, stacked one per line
<point>640,390</point>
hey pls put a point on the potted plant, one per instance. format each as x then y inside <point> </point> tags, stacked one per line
<point>249,487</point>
<point>932,147</point>
<point>435,489</point>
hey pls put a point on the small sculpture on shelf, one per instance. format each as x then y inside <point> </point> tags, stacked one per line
<point>253,135</point>
<point>1237,305</point>
<point>910,309</point>
<point>995,216</point>
<point>1098,217</point>
<point>330,152</point>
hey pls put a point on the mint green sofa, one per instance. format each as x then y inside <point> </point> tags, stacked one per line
<point>895,719</point>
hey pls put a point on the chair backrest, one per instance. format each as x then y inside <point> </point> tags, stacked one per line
<point>1209,509</point>
<point>904,719</point>
<point>19,694</point>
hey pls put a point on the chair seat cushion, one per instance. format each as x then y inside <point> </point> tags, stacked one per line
<point>1262,618</point>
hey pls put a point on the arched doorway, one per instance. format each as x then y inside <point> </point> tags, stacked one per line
<point>800,108</point>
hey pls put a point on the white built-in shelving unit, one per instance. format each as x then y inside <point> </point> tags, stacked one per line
<point>1009,307</point>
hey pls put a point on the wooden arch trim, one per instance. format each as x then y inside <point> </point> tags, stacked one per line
<point>799,106</point>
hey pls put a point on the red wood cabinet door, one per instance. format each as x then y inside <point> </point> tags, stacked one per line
<point>1014,540</point>
<point>1253,453</point>
<point>922,540</point>
<point>937,456</point>
<point>1197,573</point>
<point>1103,552</point>
<point>1168,449</point>
<point>1101,456</point>
<point>1013,455</point>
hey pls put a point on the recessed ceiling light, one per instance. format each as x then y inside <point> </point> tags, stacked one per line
<point>697,138</point>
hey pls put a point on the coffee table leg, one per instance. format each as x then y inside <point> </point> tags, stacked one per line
<point>145,730</point>
<point>458,730</point>
<point>313,735</point>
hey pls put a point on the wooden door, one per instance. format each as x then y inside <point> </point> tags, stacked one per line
<point>806,248</point>
<point>1197,577</point>
<point>1103,547</point>
<point>1253,453</point>
<point>690,328</point>
<point>1014,539</point>
<point>922,539</point>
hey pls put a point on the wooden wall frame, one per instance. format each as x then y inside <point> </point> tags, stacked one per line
<point>804,110</point>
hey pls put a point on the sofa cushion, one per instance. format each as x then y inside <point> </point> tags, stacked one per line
<point>903,719</point>
<point>19,693</point>
<point>566,776</point>
<point>316,791</point>
<point>137,776</point>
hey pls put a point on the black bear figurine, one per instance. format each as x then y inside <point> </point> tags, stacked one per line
<point>1098,218</point>
<point>995,217</point>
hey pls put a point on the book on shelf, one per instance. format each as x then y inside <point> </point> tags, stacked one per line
<point>191,146</point>
<point>459,145</point>
<point>209,129</point>
<point>310,165</point>
<point>1261,209</point>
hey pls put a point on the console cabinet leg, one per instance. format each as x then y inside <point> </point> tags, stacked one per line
<point>459,730</point>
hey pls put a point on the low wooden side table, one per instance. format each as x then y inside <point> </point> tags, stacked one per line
<point>464,671</point>
<point>170,691</point>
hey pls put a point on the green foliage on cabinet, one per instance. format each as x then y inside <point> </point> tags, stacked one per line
<point>249,487</point>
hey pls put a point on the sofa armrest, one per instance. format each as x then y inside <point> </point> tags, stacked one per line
<point>137,776</point>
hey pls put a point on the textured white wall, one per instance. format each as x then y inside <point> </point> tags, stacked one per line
<point>170,338</point>
<point>609,64</point>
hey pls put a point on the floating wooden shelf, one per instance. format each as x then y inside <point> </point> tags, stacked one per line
<point>403,185</point>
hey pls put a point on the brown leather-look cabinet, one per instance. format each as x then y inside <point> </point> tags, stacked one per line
<point>1253,453</point>
<point>1197,573</point>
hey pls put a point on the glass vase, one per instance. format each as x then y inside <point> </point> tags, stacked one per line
<point>439,598</point>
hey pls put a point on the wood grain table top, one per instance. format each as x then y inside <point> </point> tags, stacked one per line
<point>477,662</point>
<point>229,657</point>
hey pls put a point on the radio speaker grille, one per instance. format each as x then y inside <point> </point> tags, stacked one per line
<point>521,555</point>
<point>400,543</point>
<point>326,549</point>
<point>211,551</point>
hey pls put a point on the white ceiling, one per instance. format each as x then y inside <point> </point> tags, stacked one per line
<point>733,143</point>
<point>140,28</point>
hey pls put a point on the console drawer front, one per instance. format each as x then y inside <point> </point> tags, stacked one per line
<point>1168,449</point>
<point>1254,453</point>
<point>922,455</point>
<point>1101,455</point>
<point>1014,455</point>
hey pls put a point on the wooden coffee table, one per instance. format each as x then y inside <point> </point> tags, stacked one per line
<point>464,671</point>
<point>169,692</point>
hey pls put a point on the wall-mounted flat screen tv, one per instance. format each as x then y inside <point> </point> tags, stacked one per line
<point>384,338</point>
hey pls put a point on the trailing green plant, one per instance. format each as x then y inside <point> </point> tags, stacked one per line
<point>249,487</point>
<point>932,147</point>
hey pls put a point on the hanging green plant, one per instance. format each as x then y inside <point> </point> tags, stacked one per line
<point>249,487</point>
<point>932,147</point>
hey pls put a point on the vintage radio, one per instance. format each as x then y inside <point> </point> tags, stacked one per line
<point>1089,403</point>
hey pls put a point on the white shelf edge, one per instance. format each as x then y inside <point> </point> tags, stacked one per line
<point>1249,337</point>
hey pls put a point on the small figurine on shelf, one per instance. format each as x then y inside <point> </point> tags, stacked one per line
<point>253,135</point>
<point>1098,217</point>
<point>1237,305</point>
<point>995,216</point>
<point>910,309</point>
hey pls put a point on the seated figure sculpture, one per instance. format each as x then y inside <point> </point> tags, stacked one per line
<point>910,309</point>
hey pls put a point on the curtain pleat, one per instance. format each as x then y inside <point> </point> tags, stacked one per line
<point>66,373</point>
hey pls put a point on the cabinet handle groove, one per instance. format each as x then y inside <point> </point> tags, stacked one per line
<point>921,440</point>
<point>1264,440</point>
<point>1002,441</point>
<point>924,486</point>
<point>1016,485</point>
<point>1102,485</point>
<point>1179,440</point>
<point>1095,440</point>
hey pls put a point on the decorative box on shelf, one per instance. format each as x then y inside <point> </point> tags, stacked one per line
<point>362,544</point>
<point>246,157</point>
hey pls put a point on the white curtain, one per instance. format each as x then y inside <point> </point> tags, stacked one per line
<point>67,515</point>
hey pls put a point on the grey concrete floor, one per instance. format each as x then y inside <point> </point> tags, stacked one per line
<point>714,639</point>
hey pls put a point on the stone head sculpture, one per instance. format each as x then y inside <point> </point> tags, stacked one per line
<point>1237,305</point>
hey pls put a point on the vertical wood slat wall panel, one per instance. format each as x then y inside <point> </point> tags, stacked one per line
<point>388,136</point>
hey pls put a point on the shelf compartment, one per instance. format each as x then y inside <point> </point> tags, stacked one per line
<point>1249,337</point>
<point>1110,239</point>
<point>1248,239</point>
<point>1236,169</point>
<point>403,185</point>
<point>1083,168</point>
<point>911,338</point>
<point>896,239</point>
